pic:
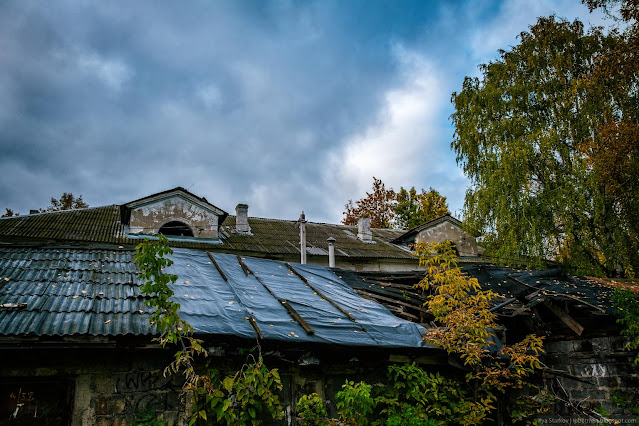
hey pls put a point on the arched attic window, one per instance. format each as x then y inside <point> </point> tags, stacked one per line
<point>176,228</point>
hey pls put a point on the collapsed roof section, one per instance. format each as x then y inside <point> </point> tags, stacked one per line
<point>547,302</point>
<point>90,292</point>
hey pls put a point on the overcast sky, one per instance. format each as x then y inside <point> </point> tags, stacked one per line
<point>284,105</point>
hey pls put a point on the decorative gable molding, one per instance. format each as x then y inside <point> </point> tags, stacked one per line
<point>148,215</point>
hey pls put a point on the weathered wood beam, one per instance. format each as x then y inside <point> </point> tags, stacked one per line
<point>217,266</point>
<point>297,317</point>
<point>255,327</point>
<point>374,296</point>
<point>563,315</point>
<point>245,268</point>
<point>320,294</point>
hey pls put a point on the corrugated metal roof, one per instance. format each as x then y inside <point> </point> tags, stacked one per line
<point>70,291</point>
<point>87,291</point>
<point>268,237</point>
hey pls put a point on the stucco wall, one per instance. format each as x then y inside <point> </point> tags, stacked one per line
<point>447,231</point>
<point>150,218</point>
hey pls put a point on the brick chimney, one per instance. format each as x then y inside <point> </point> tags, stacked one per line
<point>364,229</point>
<point>241,219</point>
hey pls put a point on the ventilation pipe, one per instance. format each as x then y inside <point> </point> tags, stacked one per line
<point>331,252</point>
<point>241,219</point>
<point>302,222</point>
<point>364,229</point>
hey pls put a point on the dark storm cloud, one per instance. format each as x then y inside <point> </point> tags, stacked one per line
<point>268,103</point>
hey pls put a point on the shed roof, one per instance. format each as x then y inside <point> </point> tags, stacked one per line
<point>50,291</point>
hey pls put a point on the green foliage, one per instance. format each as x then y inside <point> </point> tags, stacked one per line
<point>151,260</point>
<point>415,397</point>
<point>552,151</point>
<point>404,209</point>
<point>627,304</point>
<point>244,398</point>
<point>354,403</point>
<point>147,417</point>
<point>413,209</point>
<point>625,402</point>
<point>310,408</point>
<point>458,304</point>
<point>10,213</point>
<point>462,310</point>
<point>66,202</point>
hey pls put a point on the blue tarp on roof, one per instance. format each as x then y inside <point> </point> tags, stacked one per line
<point>332,311</point>
<point>84,291</point>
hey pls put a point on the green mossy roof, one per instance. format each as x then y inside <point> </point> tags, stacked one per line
<point>268,237</point>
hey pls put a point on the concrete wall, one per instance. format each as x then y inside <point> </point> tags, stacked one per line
<point>444,231</point>
<point>149,218</point>
<point>369,265</point>
<point>109,387</point>
<point>602,362</point>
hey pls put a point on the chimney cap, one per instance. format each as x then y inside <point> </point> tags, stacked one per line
<point>330,239</point>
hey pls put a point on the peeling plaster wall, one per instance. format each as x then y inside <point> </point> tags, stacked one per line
<point>444,231</point>
<point>149,218</point>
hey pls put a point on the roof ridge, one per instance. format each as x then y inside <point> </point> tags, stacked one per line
<point>59,211</point>
<point>312,222</point>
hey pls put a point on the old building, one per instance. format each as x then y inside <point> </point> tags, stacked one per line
<point>76,332</point>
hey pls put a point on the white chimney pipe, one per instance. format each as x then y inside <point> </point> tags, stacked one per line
<point>302,221</point>
<point>331,252</point>
<point>241,218</point>
<point>364,229</point>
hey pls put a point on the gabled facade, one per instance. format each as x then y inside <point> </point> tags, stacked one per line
<point>176,212</point>
<point>444,228</point>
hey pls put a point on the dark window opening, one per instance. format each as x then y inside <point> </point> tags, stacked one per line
<point>29,401</point>
<point>177,229</point>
